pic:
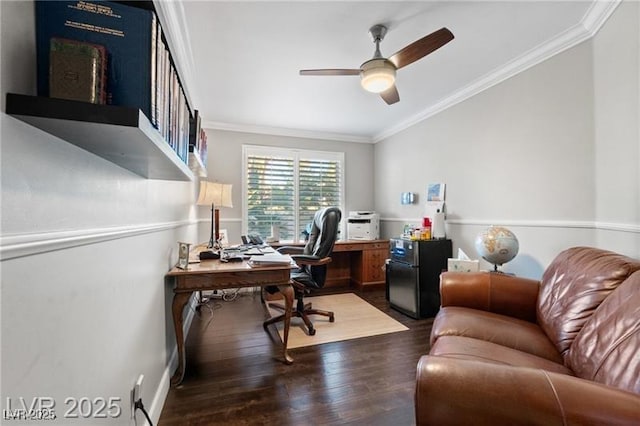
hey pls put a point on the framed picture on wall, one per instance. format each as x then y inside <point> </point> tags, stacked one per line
<point>435,192</point>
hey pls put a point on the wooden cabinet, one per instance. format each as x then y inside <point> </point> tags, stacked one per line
<point>368,265</point>
<point>358,264</point>
<point>373,266</point>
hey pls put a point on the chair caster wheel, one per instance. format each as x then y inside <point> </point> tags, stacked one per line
<point>312,331</point>
<point>332,319</point>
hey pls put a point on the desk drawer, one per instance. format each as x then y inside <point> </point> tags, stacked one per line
<point>377,246</point>
<point>349,247</point>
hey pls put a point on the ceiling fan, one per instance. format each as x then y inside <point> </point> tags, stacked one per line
<point>378,75</point>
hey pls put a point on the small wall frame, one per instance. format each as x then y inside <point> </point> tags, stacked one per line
<point>407,198</point>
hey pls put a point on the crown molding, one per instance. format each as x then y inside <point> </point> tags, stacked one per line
<point>172,17</point>
<point>590,24</point>
<point>279,131</point>
<point>598,14</point>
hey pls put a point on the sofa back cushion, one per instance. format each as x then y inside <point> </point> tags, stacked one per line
<point>573,286</point>
<point>607,350</point>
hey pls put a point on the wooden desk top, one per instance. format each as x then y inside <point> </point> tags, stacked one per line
<point>343,245</point>
<point>212,274</point>
<point>213,266</point>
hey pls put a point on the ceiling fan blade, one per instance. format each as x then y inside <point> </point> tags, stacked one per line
<point>337,71</point>
<point>421,48</point>
<point>391,95</point>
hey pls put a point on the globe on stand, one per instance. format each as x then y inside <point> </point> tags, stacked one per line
<point>497,245</point>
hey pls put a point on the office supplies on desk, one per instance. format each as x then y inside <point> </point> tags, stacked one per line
<point>258,251</point>
<point>255,239</point>
<point>363,225</point>
<point>209,254</point>
<point>183,255</point>
<point>267,259</point>
<point>232,258</point>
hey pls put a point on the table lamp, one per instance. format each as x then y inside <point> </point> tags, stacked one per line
<point>218,195</point>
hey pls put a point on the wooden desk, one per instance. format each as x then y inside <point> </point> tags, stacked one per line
<point>216,275</point>
<point>355,263</point>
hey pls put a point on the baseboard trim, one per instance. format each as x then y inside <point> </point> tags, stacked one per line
<point>21,245</point>
<point>160,396</point>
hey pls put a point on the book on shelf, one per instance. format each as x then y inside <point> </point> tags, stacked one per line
<point>124,31</point>
<point>77,71</point>
<point>194,129</point>
<point>139,70</point>
<point>197,138</point>
<point>153,109</point>
<point>158,86</point>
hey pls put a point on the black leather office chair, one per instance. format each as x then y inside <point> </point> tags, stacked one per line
<point>312,260</point>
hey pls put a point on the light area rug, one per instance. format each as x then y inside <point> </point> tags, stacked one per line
<point>354,318</point>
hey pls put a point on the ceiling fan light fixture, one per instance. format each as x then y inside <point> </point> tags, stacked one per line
<point>377,75</point>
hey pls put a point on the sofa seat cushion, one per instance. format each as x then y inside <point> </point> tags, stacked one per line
<point>607,350</point>
<point>481,350</point>
<point>499,329</point>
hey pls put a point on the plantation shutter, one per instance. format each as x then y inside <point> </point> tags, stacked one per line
<point>319,186</point>
<point>270,195</point>
<point>285,187</point>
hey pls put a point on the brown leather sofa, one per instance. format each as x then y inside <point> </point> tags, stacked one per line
<point>564,350</point>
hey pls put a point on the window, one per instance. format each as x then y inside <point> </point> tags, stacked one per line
<point>285,187</point>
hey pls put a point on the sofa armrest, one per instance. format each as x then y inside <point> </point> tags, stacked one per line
<point>492,292</point>
<point>465,392</point>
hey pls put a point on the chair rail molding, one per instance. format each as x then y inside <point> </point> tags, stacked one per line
<point>584,224</point>
<point>20,245</point>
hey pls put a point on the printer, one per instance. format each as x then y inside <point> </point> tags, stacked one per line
<point>363,225</point>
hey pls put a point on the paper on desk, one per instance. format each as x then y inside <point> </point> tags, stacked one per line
<point>271,259</point>
<point>259,250</point>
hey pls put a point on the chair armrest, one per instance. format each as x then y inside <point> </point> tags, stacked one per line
<point>307,259</point>
<point>492,292</point>
<point>291,250</point>
<point>461,391</point>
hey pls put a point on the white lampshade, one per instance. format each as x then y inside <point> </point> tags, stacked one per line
<point>377,75</point>
<point>218,194</point>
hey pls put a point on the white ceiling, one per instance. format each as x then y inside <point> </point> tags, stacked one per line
<point>245,58</point>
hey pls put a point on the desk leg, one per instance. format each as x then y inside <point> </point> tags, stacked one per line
<point>288,293</point>
<point>179,302</point>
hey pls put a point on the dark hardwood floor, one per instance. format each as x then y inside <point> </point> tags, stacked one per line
<point>232,377</point>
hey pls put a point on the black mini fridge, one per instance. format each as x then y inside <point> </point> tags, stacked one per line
<point>413,275</point>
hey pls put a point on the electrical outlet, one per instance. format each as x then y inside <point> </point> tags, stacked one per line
<point>136,395</point>
<point>137,390</point>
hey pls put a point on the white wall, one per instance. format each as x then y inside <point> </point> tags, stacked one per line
<point>224,164</point>
<point>616,67</point>
<point>528,154</point>
<point>85,246</point>
<point>552,153</point>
